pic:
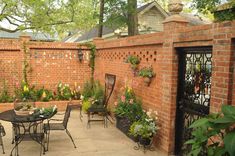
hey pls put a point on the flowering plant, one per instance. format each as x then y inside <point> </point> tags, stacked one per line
<point>128,105</point>
<point>147,126</point>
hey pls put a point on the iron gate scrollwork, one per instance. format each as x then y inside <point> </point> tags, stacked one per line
<point>194,87</point>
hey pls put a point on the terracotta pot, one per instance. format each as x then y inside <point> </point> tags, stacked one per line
<point>147,81</point>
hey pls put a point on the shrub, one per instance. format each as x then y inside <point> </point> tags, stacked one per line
<point>25,92</point>
<point>218,129</point>
<point>128,105</point>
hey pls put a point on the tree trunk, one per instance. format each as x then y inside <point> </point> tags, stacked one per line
<point>101,17</point>
<point>132,18</point>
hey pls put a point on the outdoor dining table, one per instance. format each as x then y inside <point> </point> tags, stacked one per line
<point>31,126</point>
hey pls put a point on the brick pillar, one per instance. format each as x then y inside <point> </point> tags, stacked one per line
<point>222,63</point>
<point>169,72</point>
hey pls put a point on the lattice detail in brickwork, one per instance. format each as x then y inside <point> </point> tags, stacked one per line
<point>145,55</point>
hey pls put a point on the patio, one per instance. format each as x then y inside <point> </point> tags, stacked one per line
<point>95,141</point>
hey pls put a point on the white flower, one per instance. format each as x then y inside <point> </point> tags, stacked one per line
<point>81,97</point>
<point>149,113</point>
<point>54,108</point>
<point>156,113</point>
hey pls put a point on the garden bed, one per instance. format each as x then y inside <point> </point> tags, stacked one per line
<point>61,105</point>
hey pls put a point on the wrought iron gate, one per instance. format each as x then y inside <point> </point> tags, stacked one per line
<point>194,86</point>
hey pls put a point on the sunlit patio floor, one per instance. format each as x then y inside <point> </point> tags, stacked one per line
<point>95,141</point>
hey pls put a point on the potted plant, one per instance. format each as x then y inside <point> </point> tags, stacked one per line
<point>128,110</point>
<point>147,73</point>
<point>145,128</point>
<point>134,61</point>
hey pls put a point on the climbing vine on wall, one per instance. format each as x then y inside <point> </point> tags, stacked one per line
<point>26,66</point>
<point>92,48</point>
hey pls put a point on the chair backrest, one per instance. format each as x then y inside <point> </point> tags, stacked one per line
<point>2,130</point>
<point>66,116</point>
<point>109,86</point>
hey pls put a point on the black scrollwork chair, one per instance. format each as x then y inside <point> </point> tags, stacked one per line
<point>2,133</point>
<point>62,125</point>
<point>101,108</point>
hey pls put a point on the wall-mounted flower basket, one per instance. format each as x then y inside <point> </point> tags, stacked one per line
<point>134,61</point>
<point>147,73</point>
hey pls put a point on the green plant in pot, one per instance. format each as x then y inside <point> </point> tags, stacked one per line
<point>134,61</point>
<point>147,73</point>
<point>145,128</point>
<point>92,95</point>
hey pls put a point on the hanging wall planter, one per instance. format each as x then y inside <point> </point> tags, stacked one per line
<point>147,73</point>
<point>134,61</point>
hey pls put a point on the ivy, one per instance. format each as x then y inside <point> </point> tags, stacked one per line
<point>26,66</point>
<point>92,48</point>
<point>225,15</point>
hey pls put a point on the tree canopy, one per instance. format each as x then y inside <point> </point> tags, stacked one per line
<point>47,15</point>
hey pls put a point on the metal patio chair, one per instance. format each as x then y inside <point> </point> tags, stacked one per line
<point>101,108</point>
<point>2,133</point>
<point>62,125</point>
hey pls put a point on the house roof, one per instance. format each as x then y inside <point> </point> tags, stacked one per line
<point>193,20</point>
<point>34,36</point>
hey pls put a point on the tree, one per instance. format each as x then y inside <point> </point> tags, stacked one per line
<point>101,18</point>
<point>53,16</point>
<point>132,17</point>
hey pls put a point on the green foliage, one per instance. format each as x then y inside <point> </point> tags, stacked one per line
<point>63,92</point>
<point>52,16</point>
<point>45,111</point>
<point>86,104</point>
<point>133,60</point>
<point>87,90</point>
<point>93,90</point>
<point>4,96</point>
<point>25,92</point>
<point>98,92</point>
<point>210,6</point>
<point>129,106</point>
<point>146,127</point>
<point>218,129</point>
<point>44,95</point>
<point>226,15</point>
<point>147,72</point>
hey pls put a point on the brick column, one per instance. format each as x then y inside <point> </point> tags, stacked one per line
<point>170,77</point>
<point>222,63</point>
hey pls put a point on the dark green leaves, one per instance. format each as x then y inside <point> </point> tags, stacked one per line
<point>229,143</point>
<point>214,133</point>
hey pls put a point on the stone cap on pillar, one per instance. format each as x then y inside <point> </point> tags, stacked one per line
<point>175,7</point>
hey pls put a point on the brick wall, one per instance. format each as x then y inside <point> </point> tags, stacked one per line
<point>54,62</point>
<point>50,63</point>
<point>160,51</point>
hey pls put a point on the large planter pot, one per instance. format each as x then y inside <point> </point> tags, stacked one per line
<point>123,124</point>
<point>145,141</point>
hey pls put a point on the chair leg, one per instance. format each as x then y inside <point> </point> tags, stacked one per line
<point>1,141</point>
<point>71,138</point>
<point>81,114</point>
<point>88,120</point>
<point>47,139</point>
<point>13,135</point>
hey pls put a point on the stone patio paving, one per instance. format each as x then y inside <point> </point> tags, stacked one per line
<point>95,141</point>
